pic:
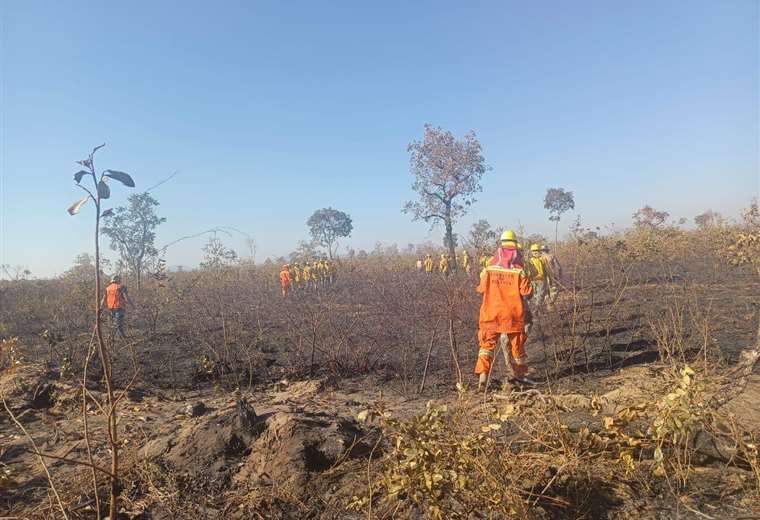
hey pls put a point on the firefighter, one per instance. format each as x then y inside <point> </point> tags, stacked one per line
<point>466,262</point>
<point>285,280</point>
<point>538,277</point>
<point>443,264</point>
<point>553,274</point>
<point>306,274</point>
<point>324,271</point>
<point>316,273</point>
<point>115,300</point>
<point>331,271</point>
<point>504,285</point>
<point>428,264</point>
<point>296,276</point>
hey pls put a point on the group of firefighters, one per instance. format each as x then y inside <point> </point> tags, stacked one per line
<point>309,277</point>
<point>514,289</point>
<point>444,264</point>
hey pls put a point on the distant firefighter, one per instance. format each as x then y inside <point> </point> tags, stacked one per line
<point>428,264</point>
<point>538,278</point>
<point>330,272</point>
<point>316,273</point>
<point>115,300</point>
<point>553,274</point>
<point>306,275</point>
<point>297,280</point>
<point>285,280</point>
<point>443,264</point>
<point>466,265</point>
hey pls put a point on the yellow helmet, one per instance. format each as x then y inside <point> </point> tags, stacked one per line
<point>535,247</point>
<point>508,236</point>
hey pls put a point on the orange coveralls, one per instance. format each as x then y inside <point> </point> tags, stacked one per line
<point>502,312</point>
<point>285,282</point>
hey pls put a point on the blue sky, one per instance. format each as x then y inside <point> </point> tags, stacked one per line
<point>270,110</point>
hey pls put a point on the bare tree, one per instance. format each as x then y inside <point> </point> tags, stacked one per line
<point>251,244</point>
<point>558,201</point>
<point>217,256</point>
<point>14,272</point>
<point>447,174</point>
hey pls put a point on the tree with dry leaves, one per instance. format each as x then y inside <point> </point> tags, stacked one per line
<point>447,173</point>
<point>649,218</point>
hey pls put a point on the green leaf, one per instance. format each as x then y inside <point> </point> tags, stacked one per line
<point>122,177</point>
<point>658,455</point>
<point>74,208</point>
<point>78,175</point>
<point>103,190</point>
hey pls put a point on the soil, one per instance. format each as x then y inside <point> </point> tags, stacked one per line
<point>302,439</point>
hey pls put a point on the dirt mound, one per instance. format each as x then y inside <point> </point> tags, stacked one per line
<point>207,444</point>
<point>280,447</point>
<point>295,445</point>
<point>27,386</point>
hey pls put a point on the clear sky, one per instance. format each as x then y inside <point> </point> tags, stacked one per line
<point>270,110</point>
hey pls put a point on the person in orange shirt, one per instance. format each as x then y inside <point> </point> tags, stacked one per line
<point>503,284</point>
<point>285,280</point>
<point>115,300</point>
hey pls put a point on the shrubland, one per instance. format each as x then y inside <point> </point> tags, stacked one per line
<point>645,363</point>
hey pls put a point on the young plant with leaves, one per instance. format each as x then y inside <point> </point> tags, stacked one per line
<point>98,192</point>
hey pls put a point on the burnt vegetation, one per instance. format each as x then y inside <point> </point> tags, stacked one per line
<point>355,399</point>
